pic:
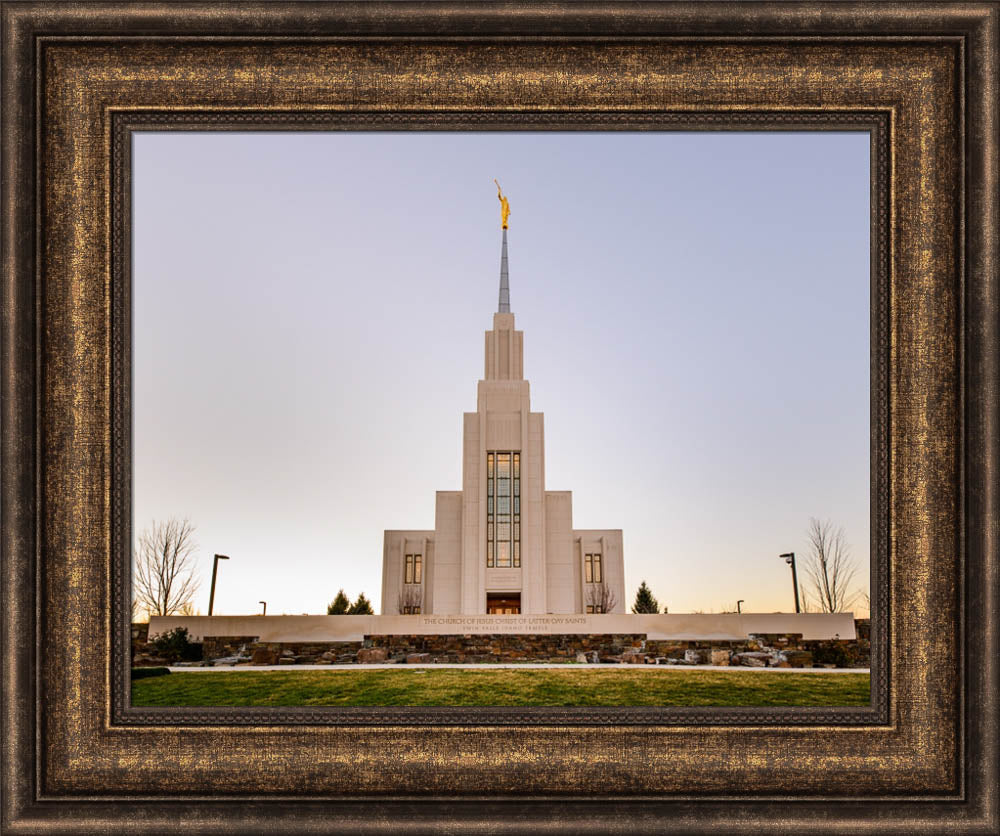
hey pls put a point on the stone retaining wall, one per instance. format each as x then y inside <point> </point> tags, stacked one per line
<point>773,650</point>
<point>508,648</point>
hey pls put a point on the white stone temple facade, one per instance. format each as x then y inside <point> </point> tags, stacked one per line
<point>503,544</point>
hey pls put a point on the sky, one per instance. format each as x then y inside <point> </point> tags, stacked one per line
<point>309,311</point>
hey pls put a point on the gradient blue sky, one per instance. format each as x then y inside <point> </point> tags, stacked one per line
<point>308,320</point>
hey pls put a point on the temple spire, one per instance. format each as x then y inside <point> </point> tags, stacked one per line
<point>504,306</point>
<point>504,279</point>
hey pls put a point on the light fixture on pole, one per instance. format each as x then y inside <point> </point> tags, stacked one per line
<point>790,560</point>
<point>738,610</point>
<point>215,571</point>
<point>265,607</point>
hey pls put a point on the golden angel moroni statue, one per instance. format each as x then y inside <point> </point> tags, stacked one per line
<point>504,206</point>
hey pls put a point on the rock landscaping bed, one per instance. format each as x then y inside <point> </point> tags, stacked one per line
<point>763,650</point>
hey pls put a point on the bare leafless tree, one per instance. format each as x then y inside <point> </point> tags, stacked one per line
<point>409,599</point>
<point>829,569</point>
<point>164,581</point>
<point>601,597</point>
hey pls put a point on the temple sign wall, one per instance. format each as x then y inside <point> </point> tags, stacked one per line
<point>679,626</point>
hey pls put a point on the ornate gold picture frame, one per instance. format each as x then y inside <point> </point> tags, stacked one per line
<point>79,77</point>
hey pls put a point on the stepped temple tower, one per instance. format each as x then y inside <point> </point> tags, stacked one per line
<point>503,544</point>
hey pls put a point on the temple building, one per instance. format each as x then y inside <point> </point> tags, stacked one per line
<point>503,544</point>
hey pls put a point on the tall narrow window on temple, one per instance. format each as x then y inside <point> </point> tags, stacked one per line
<point>490,493</point>
<point>503,509</point>
<point>592,571</point>
<point>408,576</point>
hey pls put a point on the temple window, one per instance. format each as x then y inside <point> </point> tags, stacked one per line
<point>592,572</point>
<point>413,568</point>
<point>503,509</point>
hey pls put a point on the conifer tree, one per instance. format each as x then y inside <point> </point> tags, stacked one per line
<point>361,607</point>
<point>340,605</point>
<point>644,601</point>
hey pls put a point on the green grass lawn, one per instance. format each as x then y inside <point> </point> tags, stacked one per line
<point>502,687</point>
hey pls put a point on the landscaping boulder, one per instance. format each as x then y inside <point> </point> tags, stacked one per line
<point>371,655</point>
<point>417,658</point>
<point>753,659</point>
<point>719,658</point>
<point>263,656</point>
<point>223,660</point>
<point>797,658</point>
<point>694,657</point>
<point>582,658</point>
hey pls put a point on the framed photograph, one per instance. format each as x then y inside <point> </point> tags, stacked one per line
<point>100,101</point>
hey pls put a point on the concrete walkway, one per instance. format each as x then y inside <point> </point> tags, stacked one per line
<point>484,666</point>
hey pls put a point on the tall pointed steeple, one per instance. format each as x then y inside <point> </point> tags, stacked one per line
<point>503,344</point>
<point>504,306</point>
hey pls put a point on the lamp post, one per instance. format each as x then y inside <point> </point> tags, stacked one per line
<point>265,607</point>
<point>790,559</point>
<point>738,610</point>
<point>215,571</point>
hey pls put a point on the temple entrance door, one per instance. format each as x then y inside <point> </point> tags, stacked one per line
<point>503,603</point>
